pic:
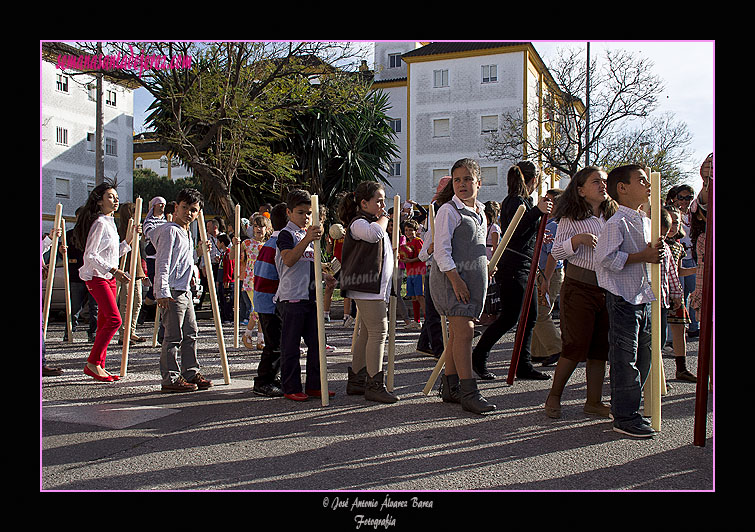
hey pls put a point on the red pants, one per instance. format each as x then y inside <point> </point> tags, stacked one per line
<point>108,317</point>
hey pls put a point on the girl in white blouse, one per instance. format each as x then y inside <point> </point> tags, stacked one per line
<point>95,232</point>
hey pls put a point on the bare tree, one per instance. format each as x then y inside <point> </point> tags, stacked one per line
<point>554,129</point>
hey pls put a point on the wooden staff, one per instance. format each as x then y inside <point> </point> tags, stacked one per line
<point>705,344</point>
<point>324,395</point>
<point>236,275</point>
<point>491,268</point>
<point>156,326</point>
<point>51,268</point>
<point>131,286</point>
<point>653,387</point>
<point>213,296</point>
<point>394,298</point>
<point>122,263</point>
<point>66,277</point>
<point>526,302</point>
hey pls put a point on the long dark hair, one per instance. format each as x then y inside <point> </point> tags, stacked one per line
<point>519,175</point>
<point>89,213</point>
<point>573,206</point>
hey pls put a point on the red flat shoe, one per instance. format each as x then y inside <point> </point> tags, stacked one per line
<point>318,393</point>
<point>299,396</point>
<point>97,377</point>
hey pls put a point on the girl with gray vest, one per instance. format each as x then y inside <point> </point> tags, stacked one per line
<point>459,280</point>
<point>366,272</point>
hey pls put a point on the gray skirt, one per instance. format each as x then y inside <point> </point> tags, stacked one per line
<point>442,292</point>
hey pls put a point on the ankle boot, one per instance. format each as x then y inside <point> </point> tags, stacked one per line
<point>375,390</point>
<point>471,399</point>
<point>355,385</point>
<point>449,388</point>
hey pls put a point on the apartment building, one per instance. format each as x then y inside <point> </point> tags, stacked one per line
<point>446,99</point>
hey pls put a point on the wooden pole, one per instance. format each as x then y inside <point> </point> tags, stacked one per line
<point>324,395</point>
<point>236,274</point>
<point>131,286</point>
<point>526,302</point>
<point>653,387</point>
<point>122,262</point>
<point>213,297</point>
<point>705,344</point>
<point>394,298</point>
<point>491,268</point>
<point>51,268</point>
<point>66,277</point>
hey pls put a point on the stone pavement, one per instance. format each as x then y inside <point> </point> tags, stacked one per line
<point>128,436</point>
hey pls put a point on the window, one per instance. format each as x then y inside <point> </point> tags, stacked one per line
<point>489,123</point>
<point>395,124</point>
<point>62,188</point>
<point>92,92</point>
<point>439,174</point>
<point>61,83</point>
<point>163,162</point>
<point>440,78</point>
<point>489,176</point>
<point>442,127</point>
<point>111,146</point>
<point>91,141</point>
<point>394,60</point>
<point>61,136</point>
<point>110,98</point>
<point>394,169</point>
<point>489,73</point>
<point>139,163</point>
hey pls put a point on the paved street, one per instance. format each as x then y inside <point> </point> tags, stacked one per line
<point>128,435</point>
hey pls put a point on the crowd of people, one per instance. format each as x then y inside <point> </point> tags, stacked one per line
<point>592,266</point>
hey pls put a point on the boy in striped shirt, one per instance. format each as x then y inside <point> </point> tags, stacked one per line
<point>267,382</point>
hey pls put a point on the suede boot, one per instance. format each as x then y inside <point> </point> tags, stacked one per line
<point>376,391</point>
<point>471,399</point>
<point>355,385</point>
<point>449,388</point>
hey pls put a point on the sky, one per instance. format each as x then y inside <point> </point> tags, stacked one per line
<point>687,68</point>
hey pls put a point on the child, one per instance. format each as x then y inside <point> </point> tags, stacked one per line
<point>459,280</point>
<point>677,320</point>
<point>261,229</point>
<point>268,318</point>
<point>226,270</point>
<point>513,270</point>
<point>294,259</point>
<point>622,254</point>
<point>582,211</point>
<point>671,288</point>
<point>174,272</point>
<point>96,234</point>
<point>366,275</point>
<point>415,268</point>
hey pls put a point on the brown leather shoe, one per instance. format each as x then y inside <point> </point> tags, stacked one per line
<point>180,385</point>
<point>201,382</point>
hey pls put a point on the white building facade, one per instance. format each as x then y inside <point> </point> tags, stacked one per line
<point>67,139</point>
<point>448,97</point>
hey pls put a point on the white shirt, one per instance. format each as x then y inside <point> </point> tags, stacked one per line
<point>582,256</point>
<point>446,221</point>
<point>102,250</point>
<point>174,261</point>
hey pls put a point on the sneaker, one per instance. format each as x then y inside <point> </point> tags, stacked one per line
<point>641,430</point>
<point>267,390</point>
<point>201,382</point>
<point>329,348</point>
<point>179,385</point>
<point>348,321</point>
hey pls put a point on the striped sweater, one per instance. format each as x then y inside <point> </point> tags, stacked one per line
<point>266,277</point>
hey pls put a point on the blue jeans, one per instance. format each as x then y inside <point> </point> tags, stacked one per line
<point>628,356</point>
<point>688,283</point>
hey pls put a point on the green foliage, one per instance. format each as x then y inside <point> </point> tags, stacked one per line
<point>148,184</point>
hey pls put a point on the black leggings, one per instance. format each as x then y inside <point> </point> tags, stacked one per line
<point>513,285</point>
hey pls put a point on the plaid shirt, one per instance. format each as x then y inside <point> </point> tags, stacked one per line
<point>626,232</point>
